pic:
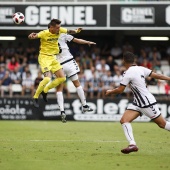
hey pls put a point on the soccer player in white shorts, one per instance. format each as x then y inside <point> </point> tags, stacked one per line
<point>71,69</point>
<point>144,102</point>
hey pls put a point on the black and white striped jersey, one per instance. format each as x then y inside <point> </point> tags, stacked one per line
<point>135,77</point>
<point>64,54</point>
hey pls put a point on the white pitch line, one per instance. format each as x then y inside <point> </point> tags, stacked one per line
<point>88,141</point>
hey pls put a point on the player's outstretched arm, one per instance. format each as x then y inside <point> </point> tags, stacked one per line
<point>159,76</point>
<point>81,41</point>
<point>117,90</point>
<point>33,36</point>
<point>74,31</point>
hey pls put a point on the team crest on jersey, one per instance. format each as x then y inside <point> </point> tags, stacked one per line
<point>45,69</point>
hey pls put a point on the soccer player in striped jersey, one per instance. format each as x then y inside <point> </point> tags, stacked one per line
<point>71,69</point>
<point>144,102</point>
<point>48,50</point>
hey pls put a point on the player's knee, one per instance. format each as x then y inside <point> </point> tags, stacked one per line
<point>62,79</point>
<point>122,120</point>
<point>47,79</point>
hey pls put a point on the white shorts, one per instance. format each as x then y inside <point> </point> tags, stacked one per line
<point>70,68</point>
<point>152,111</point>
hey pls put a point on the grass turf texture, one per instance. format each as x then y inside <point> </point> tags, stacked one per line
<point>49,145</point>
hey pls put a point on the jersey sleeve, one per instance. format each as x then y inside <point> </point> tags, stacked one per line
<point>69,37</point>
<point>63,30</point>
<point>41,34</point>
<point>125,79</point>
<point>147,72</point>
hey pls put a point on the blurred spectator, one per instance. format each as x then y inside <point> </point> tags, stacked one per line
<point>16,76</point>
<point>2,73</point>
<point>6,84</point>
<point>27,84</point>
<point>20,53</point>
<point>102,66</point>
<point>38,80</point>
<point>1,49</point>
<point>108,84</point>
<point>116,51</point>
<point>13,64</point>
<point>117,78</point>
<point>87,62</point>
<point>10,51</point>
<point>94,86</point>
<point>2,60</point>
<point>31,54</point>
<point>112,64</point>
<point>25,71</point>
<point>146,64</point>
<point>154,58</point>
<point>167,88</point>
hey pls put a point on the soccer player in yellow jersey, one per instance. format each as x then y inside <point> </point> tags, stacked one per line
<point>49,47</point>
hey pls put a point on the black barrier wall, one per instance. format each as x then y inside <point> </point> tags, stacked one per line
<point>104,110</point>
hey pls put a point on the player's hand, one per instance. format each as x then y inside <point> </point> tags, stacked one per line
<point>108,92</point>
<point>91,43</point>
<point>32,35</point>
<point>78,30</point>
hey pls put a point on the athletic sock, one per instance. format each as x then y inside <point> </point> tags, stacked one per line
<point>41,86</point>
<point>54,83</point>
<point>129,133</point>
<point>167,126</point>
<point>81,95</point>
<point>60,100</point>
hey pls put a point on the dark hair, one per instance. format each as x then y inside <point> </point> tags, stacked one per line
<point>129,57</point>
<point>53,22</point>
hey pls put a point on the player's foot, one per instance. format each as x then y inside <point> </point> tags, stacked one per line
<point>35,102</point>
<point>44,95</point>
<point>130,148</point>
<point>63,117</point>
<point>86,108</point>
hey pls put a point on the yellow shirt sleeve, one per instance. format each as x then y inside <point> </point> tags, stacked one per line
<point>41,34</point>
<point>63,30</point>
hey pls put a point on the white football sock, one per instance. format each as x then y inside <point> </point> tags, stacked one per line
<point>60,100</point>
<point>81,95</point>
<point>129,133</point>
<point>167,126</point>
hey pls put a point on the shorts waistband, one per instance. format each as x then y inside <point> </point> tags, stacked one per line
<point>66,61</point>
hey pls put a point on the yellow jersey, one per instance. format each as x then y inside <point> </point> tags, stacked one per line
<point>49,41</point>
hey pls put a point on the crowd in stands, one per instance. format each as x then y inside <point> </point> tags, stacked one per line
<point>101,68</point>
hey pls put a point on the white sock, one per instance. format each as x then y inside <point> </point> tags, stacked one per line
<point>60,100</point>
<point>167,126</point>
<point>81,95</point>
<point>129,133</point>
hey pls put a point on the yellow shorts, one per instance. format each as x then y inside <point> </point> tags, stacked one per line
<point>48,63</point>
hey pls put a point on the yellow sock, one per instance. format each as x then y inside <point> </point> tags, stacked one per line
<point>54,83</point>
<point>41,86</point>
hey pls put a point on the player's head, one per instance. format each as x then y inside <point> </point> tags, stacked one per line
<point>128,58</point>
<point>54,26</point>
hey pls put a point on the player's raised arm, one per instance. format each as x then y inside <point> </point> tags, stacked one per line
<point>74,31</point>
<point>33,36</point>
<point>81,41</point>
<point>115,91</point>
<point>159,76</point>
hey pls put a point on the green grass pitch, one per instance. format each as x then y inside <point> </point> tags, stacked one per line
<point>52,145</point>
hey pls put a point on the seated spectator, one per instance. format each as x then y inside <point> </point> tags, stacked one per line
<point>31,54</point>
<point>27,84</point>
<point>2,73</point>
<point>20,53</point>
<point>6,84</point>
<point>24,72</point>
<point>94,86</point>
<point>12,64</point>
<point>2,61</point>
<point>167,88</point>
<point>101,65</point>
<point>16,76</point>
<point>111,63</point>
<point>38,80</point>
<point>117,78</point>
<point>10,51</point>
<point>116,51</point>
<point>108,84</point>
<point>146,64</point>
<point>154,58</point>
